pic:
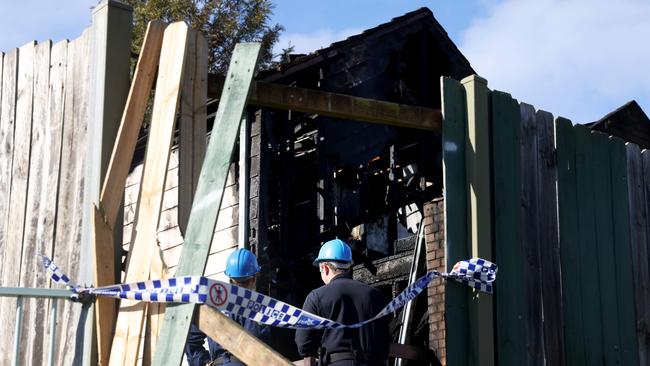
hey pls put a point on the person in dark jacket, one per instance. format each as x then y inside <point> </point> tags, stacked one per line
<point>346,301</point>
<point>242,269</point>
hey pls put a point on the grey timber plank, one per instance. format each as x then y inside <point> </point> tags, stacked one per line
<point>530,234</point>
<point>548,240</point>
<point>31,274</point>
<point>209,193</point>
<point>591,310</point>
<point>510,304</point>
<point>52,160</point>
<point>639,247</point>
<point>19,175</point>
<point>629,351</point>
<point>71,189</point>
<point>130,319</point>
<point>570,256</point>
<point>7,123</point>
<point>454,126</point>
<point>602,185</point>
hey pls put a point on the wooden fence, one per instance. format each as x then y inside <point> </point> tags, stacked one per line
<point>570,235</point>
<point>50,99</point>
<point>43,127</point>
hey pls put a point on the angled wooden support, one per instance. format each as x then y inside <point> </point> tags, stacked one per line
<point>337,105</point>
<point>236,339</point>
<point>192,144</point>
<point>207,199</point>
<point>113,187</point>
<point>126,343</point>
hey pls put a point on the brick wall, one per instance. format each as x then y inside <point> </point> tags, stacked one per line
<point>434,229</point>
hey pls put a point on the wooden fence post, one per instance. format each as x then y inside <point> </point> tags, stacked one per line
<point>477,162</point>
<point>207,200</point>
<point>110,50</point>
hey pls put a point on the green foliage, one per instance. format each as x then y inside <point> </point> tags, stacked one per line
<point>224,23</point>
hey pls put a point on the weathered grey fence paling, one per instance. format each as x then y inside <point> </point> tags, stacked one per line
<point>43,101</point>
<point>571,231</point>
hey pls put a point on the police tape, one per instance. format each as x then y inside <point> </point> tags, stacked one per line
<point>477,273</point>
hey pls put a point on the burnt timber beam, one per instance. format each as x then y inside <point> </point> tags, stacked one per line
<point>335,105</point>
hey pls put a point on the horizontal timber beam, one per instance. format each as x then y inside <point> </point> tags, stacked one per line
<point>336,105</point>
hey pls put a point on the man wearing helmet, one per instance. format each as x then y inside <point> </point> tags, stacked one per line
<point>242,269</point>
<point>346,301</point>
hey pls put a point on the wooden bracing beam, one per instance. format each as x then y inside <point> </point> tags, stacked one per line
<point>233,337</point>
<point>208,196</point>
<point>113,187</point>
<point>336,105</point>
<point>130,320</point>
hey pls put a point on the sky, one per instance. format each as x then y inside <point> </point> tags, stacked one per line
<point>579,59</point>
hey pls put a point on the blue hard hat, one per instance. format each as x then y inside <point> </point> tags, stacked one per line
<point>334,250</point>
<point>242,263</point>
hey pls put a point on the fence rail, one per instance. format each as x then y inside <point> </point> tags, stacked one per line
<point>22,292</point>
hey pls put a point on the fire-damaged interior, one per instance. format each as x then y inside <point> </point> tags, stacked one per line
<point>321,178</point>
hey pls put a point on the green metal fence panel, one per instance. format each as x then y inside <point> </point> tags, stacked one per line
<point>455,182</point>
<point>589,274</point>
<point>510,304</point>
<point>623,253</point>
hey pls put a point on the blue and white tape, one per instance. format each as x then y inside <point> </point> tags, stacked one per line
<point>477,273</point>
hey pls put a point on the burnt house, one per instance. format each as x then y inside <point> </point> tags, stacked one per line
<point>313,178</point>
<point>321,178</point>
<point>628,122</point>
